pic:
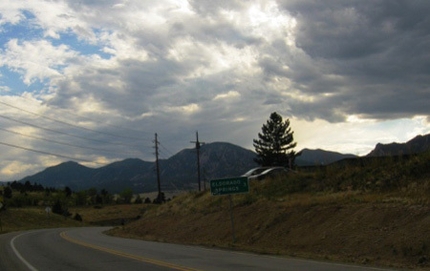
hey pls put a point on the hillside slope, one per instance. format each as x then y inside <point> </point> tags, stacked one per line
<point>319,157</point>
<point>384,234</point>
<point>418,144</point>
<point>375,213</point>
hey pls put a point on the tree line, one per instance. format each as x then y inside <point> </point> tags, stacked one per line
<point>274,147</point>
<point>17,194</point>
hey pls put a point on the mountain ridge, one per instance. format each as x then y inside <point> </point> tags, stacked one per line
<point>315,157</point>
<point>179,172</point>
<point>418,144</point>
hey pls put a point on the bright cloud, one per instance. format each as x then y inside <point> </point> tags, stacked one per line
<point>104,76</point>
<point>36,60</point>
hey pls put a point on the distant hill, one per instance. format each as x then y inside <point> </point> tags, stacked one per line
<point>179,172</point>
<point>64,174</point>
<point>320,157</point>
<point>129,173</point>
<point>217,160</point>
<point>416,145</point>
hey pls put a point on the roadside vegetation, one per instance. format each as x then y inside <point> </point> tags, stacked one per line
<point>373,211</point>
<point>27,206</point>
<point>366,211</point>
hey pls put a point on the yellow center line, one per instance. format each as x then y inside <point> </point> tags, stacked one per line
<point>127,255</point>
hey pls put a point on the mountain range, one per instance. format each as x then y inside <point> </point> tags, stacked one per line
<point>318,157</point>
<point>420,143</point>
<point>179,172</point>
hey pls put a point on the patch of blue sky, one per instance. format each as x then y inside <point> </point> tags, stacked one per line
<point>81,46</point>
<point>24,30</point>
<point>14,82</point>
<point>27,30</point>
<point>20,31</point>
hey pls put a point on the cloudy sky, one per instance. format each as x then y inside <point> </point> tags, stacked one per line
<point>93,81</point>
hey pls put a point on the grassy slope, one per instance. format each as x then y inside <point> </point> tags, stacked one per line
<point>377,213</point>
<point>28,218</point>
<point>18,219</point>
<point>377,233</point>
<point>374,212</point>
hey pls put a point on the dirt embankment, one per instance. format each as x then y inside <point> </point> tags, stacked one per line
<point>381,234</point>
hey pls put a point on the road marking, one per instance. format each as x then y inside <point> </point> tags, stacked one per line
<point>127,255</point>
<point>12,244</point>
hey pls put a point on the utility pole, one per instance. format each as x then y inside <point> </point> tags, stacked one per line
<point>157,168</point>
<point>198,144</point>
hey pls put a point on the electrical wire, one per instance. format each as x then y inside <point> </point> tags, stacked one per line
<point>63,133</point>
<point>67,123</point>
<point>122,128</point>
<point>167,150</point>
<point>49,153</point>
<point>57,142</point>
<point>67,134</point>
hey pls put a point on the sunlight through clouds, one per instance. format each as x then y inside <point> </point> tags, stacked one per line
<point>227,96</point>
<point>347,74</point>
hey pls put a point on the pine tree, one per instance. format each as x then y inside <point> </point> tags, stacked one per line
<point>274,145</point>
<point>7,192</point>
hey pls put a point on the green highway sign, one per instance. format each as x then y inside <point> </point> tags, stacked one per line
<point>229,186</point>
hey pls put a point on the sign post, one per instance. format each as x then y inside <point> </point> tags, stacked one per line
<point>230,186</point>
<point>48,211</point>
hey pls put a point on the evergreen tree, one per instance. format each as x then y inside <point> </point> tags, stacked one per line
<point>7,192</point>
<point>68,191</point>
<point>126,195</point>
<point>57,208</point>
<point>138,199</point>
<point>274,145</point>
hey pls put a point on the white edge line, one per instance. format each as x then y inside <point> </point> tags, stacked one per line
<point>12,244</point>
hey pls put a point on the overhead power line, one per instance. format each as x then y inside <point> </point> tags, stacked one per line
<point>68,123</point>
<point>167,150</point>
<point>57,142</point>
<point>94,120</point>
<point>49,153</point>
<point>63,133</point>
<point>122,128</point>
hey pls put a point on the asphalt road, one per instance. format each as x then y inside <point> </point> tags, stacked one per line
<point>89,249</point>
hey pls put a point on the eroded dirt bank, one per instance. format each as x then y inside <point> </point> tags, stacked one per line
<point>381,234</point>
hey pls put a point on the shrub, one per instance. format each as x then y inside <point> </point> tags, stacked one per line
<point>77,217</point>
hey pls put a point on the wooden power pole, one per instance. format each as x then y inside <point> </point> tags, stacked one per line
<point>157,167</point>
<point>198,144</point>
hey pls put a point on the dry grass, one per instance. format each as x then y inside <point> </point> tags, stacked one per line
<point>18,219</point>
<point>347,227</point>
<point>111,214</point>
<point>374,213</point>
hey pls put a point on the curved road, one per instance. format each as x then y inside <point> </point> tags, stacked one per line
<point>89,249</point>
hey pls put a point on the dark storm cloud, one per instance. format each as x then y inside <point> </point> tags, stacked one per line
<point>220,67</point>
<point>373,53</point>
